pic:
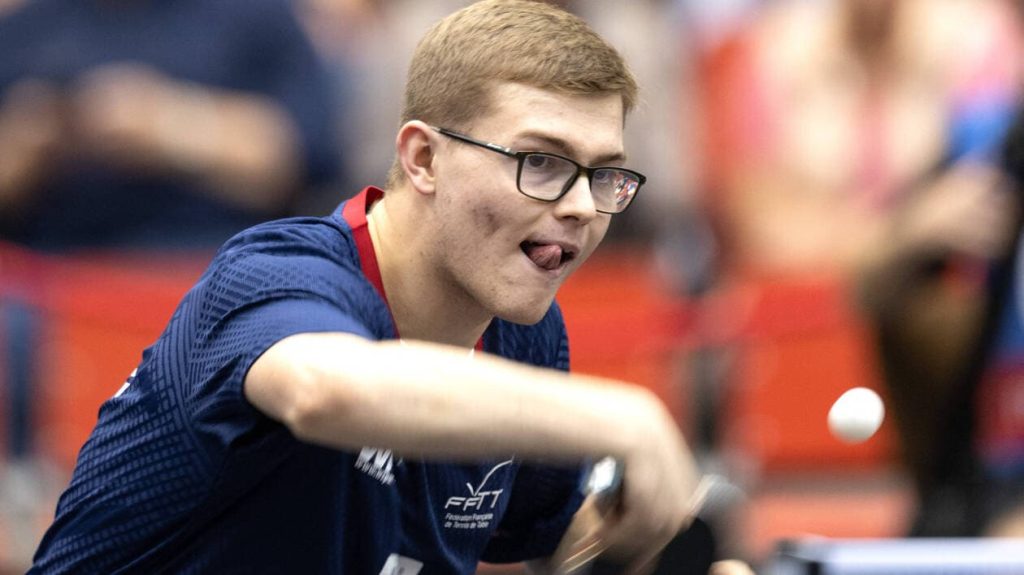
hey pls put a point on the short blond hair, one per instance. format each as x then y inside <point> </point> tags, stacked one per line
<point>494,41</point>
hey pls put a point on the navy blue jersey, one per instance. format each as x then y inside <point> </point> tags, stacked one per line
<point>183,475</point>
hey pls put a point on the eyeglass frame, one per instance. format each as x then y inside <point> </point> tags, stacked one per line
<point>521,155</point>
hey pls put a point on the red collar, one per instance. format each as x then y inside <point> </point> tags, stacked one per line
<point>354,213</point>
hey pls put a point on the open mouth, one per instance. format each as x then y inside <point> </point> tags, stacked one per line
<point>547,256</point>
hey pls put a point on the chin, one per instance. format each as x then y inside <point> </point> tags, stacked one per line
<point>527,313</point>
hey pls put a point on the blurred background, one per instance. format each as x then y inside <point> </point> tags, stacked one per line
<point>832,203</point>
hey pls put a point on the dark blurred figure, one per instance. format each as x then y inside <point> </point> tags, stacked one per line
<point>157,124</point>
<point>951,334</point>
<point>950,325</point>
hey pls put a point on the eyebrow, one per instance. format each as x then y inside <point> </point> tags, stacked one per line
<point>566,149</point>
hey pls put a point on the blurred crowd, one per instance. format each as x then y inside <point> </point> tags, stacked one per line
<point>869,145</point>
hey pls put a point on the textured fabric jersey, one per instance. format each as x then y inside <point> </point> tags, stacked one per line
<point>183,475</point>
<point>253,46</point>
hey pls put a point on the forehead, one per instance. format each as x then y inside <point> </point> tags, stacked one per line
<point>589,124</point>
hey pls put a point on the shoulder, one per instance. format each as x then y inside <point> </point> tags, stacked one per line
<point>300,243</point>
<point>323,237</point>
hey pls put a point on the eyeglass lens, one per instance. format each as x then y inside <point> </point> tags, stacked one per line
<point>546,177</point>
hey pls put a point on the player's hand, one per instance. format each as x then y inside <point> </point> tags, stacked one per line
<point>659,484</point>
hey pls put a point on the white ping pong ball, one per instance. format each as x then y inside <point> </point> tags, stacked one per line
<point>856,415</point>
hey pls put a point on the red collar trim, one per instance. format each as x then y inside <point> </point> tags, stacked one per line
<point>354,213</point>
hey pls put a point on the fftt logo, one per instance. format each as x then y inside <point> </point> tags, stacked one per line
<point>474,501</point>
<point>477,496</point>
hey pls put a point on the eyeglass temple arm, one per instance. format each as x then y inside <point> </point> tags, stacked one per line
<point>495,147</point>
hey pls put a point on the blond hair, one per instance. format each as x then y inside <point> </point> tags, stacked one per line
<point>493,41</point>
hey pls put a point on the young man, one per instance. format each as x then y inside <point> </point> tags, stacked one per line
<point>383,390</point>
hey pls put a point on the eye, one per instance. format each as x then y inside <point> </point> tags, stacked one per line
<point>605,177</point>
<point>540,162</point>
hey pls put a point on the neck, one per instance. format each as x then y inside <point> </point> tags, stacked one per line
<point>425,304</point>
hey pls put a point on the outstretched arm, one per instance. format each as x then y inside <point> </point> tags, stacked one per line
<point>346,392</point>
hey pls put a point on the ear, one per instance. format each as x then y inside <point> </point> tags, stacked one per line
<point>416,146</point>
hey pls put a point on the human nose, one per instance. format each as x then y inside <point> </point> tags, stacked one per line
<point>578,202</point>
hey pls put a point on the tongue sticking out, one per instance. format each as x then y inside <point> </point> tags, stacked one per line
<point>545,256</point>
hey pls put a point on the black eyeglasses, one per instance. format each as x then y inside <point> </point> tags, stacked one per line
<point>548,177</point>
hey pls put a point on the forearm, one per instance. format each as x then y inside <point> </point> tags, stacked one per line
<point>438,402</point>
<point>244,146</point>
<point>433,401</point>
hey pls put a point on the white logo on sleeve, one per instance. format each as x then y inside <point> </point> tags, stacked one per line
<point>399,565</point>
<point>378,464</point>
<point>474,511</point>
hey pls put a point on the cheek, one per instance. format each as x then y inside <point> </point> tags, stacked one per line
<point>597,230</point>
<point>595,234</point>
<point>486,220</point>
<point>472,208</point>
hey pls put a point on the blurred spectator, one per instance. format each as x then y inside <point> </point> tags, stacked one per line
<point>345,34</point>
<point>851,141</point>
<point>156,124</point>
<point>711,22</point>
<point>823,116</point>
<point>367,45</point>
<point>979,486</point>
<point>654,36</point>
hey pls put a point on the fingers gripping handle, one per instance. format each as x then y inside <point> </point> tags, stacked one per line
<point>581,546</point>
